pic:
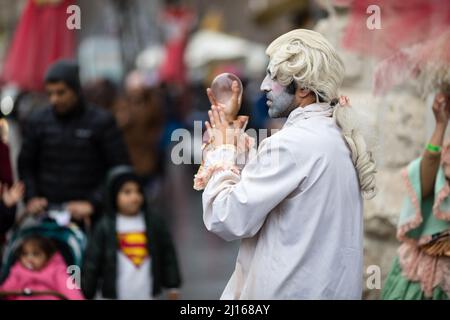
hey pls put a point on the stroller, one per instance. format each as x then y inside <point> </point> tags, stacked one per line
<point>70,242</point>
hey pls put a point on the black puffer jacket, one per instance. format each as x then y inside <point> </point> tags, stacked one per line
<point>66,158</point>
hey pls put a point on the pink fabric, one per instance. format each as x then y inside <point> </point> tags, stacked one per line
<point>52,277</point>
<point>413,40</point>
<point>403,23</point>
<point>41,38</point>
<point>204,174</point>
<point>178,21</point>
<point>430,271</point>
<point>417,220</point>
<point>428,62</point>
<point>438,213</point>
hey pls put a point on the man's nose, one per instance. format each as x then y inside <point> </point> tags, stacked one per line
<point>265,86</point>
<point>54,100</point>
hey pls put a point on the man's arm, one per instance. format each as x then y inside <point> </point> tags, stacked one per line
<point>235,206</point>
<point>7,216</point>
<point>28,158</point>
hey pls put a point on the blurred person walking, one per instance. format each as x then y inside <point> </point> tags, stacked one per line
<point>68,148</point>
<point>141,118</point>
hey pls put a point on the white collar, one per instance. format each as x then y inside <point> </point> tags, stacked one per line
<point>322,109</point>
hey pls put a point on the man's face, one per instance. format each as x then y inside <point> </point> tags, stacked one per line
<point>62,97</point>
<point>279,100</point>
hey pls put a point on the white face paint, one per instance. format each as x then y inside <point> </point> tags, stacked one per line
<point>279,100</point>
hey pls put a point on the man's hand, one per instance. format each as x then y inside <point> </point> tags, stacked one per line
<point>441,109</point>
<point>219,129</point>
<point>36,205</point>
<point>80,210</point>
<point>12,195</point>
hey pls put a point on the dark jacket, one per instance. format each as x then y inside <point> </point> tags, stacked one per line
<point>65,158</point>
<point>100,261</point>
<point>7,215</point>
<point>5,164</point>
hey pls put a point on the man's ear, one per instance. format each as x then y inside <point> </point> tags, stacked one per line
<point>303,92</point>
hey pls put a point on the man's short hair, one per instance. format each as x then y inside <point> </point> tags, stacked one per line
<point>66,71</point>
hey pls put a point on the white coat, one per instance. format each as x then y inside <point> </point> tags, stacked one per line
<point>297,208</point>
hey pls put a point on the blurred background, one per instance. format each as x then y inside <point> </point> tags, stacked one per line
<point>150,61</point>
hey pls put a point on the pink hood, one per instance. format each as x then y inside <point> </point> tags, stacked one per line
<point>53,277</point>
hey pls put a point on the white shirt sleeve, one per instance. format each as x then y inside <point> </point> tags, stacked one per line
<point>234,206</point>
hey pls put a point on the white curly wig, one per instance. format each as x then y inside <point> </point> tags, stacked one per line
<point>306,57</point>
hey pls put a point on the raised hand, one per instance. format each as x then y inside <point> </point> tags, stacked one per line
<point>441,108</point>
<point>12,195</point>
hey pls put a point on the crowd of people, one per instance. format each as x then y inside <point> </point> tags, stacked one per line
<point>84,168</point>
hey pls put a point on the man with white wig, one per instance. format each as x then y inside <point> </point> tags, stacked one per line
<point>297,204</point>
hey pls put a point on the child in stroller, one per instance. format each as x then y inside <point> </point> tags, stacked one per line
<point>36,262</point>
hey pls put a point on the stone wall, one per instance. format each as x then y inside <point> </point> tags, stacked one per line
<point>400,124</point>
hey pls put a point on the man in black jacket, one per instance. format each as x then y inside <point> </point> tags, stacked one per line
<point>67,148</point>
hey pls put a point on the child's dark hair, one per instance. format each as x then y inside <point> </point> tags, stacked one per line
<point>46,245</point>
<point>119,181</point>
